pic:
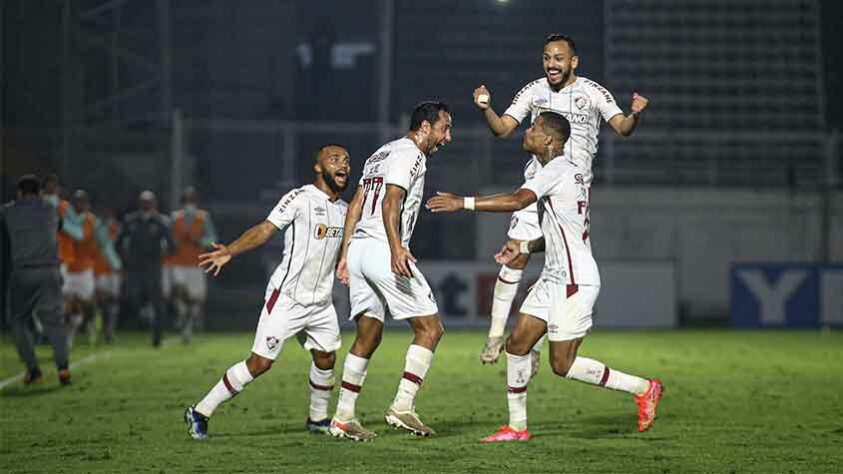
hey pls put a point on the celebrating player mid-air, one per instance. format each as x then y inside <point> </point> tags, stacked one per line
<point>381,272</point>
<point>585,104</point>
<point>298,296</point>
<point>560,303</point>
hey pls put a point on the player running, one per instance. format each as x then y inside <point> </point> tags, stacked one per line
<point>193,232</point>
<point>377,264</point>
<point>560,303</point>
<point>586,105</point>
<point>298,296</point>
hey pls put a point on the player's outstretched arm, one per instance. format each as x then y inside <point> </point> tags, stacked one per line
<point>501,126</point>
<point>401,257</point>
<point>352,217</point>
<point>222,254</point>
<point>624,126</point>
<point>446,202</point>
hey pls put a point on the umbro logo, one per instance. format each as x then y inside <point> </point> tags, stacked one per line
<point>320,211</point>
<point>539,102</point>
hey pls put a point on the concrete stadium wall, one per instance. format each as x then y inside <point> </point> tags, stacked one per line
<point>704,231</point>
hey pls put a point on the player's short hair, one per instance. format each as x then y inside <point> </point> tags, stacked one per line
<point>553,37</point>
<point>29,184</point>
<point>427,110</point>
<point>322,148</point>
<point>557,124</point>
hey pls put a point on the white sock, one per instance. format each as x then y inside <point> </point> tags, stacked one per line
<point>321,385</point>
<point>505,289</point>
<point>353,375</point>
<point>540,343</point>
<point>415,369</point>
<point>517,378</point>
<point>595,372</point>
<point>231,383</point>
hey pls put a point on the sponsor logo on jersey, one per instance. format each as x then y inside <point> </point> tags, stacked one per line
<point>272,342</point>
<point>578,178</point>
<point>417,166</point>
<point>322,231</point>
<point>320,211</point>
<point>290,198</point>
<point>576,118</point>
<point>539,102</point>
<point>552,329</point>
<point>606,95</point>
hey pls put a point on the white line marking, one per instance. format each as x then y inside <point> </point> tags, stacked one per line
<point>90,358</point>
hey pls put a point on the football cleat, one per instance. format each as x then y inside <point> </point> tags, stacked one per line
<point>409,421</point>
<point>197,423</point>
<point>647,404</point>
<point>352,430</point>
<point>491,350</point>
<point>321,427</point>
<point>506,433</point>
<point>64,377</point>
<point>535,362</point>
<point>33,376</point>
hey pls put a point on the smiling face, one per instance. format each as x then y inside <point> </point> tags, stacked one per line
<point>559,63</point>
<point>334,166</point>
<point>439,133</point>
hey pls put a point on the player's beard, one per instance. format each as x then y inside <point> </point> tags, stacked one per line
<point>333,184</point>
<point>564,73</point>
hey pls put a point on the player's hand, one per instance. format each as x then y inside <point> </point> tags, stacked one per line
<point>445,202</point>
<point>214,261</point>
<point>509,252</point>
<point>401,259</point>
<point>482,91</point>
<point>639,103</point>
<point>342,271</point>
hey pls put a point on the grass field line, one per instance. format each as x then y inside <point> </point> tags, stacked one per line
<point>88,359</point>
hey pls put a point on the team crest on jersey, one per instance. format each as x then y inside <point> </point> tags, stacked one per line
<point>322,231</point>
<point>582,102</point>
<point>272,342</point>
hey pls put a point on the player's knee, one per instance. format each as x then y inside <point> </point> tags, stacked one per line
<point>258,365</point>
<point>517,346</point>
<point>560,365</point>
<point>324,360</point>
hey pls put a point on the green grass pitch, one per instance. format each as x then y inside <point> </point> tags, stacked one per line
<point>734,402</point>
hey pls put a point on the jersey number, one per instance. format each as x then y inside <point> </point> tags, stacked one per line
<point>374,184</point>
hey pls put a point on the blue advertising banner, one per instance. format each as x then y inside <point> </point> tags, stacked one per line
<point>786,295</point>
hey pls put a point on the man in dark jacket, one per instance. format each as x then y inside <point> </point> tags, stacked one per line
<point>142,242</point>
<point>29,225</point>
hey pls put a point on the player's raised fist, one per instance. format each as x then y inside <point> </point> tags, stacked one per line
<point>639,103</point>
<point>482,97</point>
<point>445,202</point>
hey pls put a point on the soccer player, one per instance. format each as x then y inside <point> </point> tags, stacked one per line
<point>560,303</point>
<point>298,296</point>
<point>377,264</point>
<point>193,232</point>
<point>586,105</point>
<point>107,273</point>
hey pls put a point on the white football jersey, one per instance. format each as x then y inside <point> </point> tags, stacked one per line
<point>585,103</point>
<point>311,244</point>
<point>563,189</point>
<point>401,163</point>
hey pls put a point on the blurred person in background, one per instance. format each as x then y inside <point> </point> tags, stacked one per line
<point>29,226</point>
<point>107,274</point>
<point>586,105</point>
<point>143,241</point>
<point>193,233</point>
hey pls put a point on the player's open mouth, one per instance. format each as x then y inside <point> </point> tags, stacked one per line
<point>554,74</point>
<point>341,174</point>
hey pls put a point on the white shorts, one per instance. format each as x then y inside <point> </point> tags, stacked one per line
<point>190,280</point>
<point>282,318</point>
<point>374,289</point>
<point>109,284</point>
<point>80,284</point>
<point>567,318</point>
<point>524,224</point>
<point>166,281</point>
